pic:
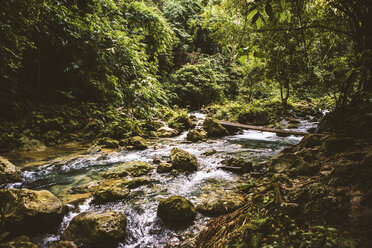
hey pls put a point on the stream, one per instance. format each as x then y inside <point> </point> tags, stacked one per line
<point>60,169</point>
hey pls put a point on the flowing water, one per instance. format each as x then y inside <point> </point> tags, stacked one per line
<point>61,169</point>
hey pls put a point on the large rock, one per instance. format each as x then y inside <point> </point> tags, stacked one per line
<point>284,162</point>
<point>109,194</point>
<point>176,209</point>
<point>214,128</point>
<point>164,168</point>
<point>29,211</point>
<point>167,132</point>
<point>19,242</point>
<point>135,169</point>
<point>181,122</point>
<point>220,202</point>
<point>98,229</point>
<point>239,164</point>
<point>194,136</point>
<point>138,143</point>
<point>183,161</point>
<point>9,173</point>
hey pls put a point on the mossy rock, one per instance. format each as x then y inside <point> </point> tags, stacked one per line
<point>194,136</point>
<point>167,132</point>
<point>245,166</point>
<point>214,128</point>
<point>183,161</point>
<point>138,143</point>
<point>63,244</point>
<point>335,144</point>
<point>19,242</point>
<point>284,162</point>
<point>176,209</point>
<point>30,145</point>
<point>181,122</point>
<point>9,173</point>
<point>109,143</point>
<point>104,229</point>
<point>135,169</point>
<point>218,203</point>
<point>109,194</point>
<point>209,152</point>
<point>29,211</point>
<point>309,141</point>
<point>164,168</point>
<point>292,126</point>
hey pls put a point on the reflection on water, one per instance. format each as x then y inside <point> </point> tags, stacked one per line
<point>62,168</point>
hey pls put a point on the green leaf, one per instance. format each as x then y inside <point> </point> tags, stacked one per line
<point>282,3</point>
<point>259,23</point>
<point>269,10</point>
<point>252,14</point>
<point>289,18</point>
<point>282,16</point>
<point>242,59</point>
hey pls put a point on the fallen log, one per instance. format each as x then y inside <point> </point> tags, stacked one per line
<point>258,128</point>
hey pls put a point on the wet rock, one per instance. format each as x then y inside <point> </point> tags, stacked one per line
<point>94,149</point>
<point>209,152</point>
<point>220,202</point>
<point>135,169</point>
<point>335,144</point>
<point>309,141</point>
<point>63,244</point>
<point>292,126</point>
<point>75,199</point>
<point>29,211</point>
<point>164,168</point>
<point>138,143</point>
<point>104,229</point>
<point>176,209</point>
<point>109,194</point>
<point>167,132</point>
<point>214,128</point>
<point>31,145</point>
<point>194,136</point>
<point>283,162</point>
<point>19,242</point>
<point>240,164</point>
<point>9,173</point>
<point>183,161</point>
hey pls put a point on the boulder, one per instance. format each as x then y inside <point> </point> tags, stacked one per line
<point>138,143</point>
<point>167,132</point>
<point>181,122</point>
<point>220,202</point>
<point>19,242</point>
<point>135,169</point>
<point>63,244</point>
<point>183,161</point>
<point>109,194</point>
<point>240,164</point>
<point>283,162</point>
<point>104,229</point>
<point>214,128</point>
<point>29,211</point>
<point>164,168</point>
<point>309,141</point>
<point>176,209</point>
<point>9,173</point>
<point>194,136</point>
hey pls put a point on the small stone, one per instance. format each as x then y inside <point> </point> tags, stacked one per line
<point>164,168</point>
<point>138,143</point>
<point>194,136</point>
